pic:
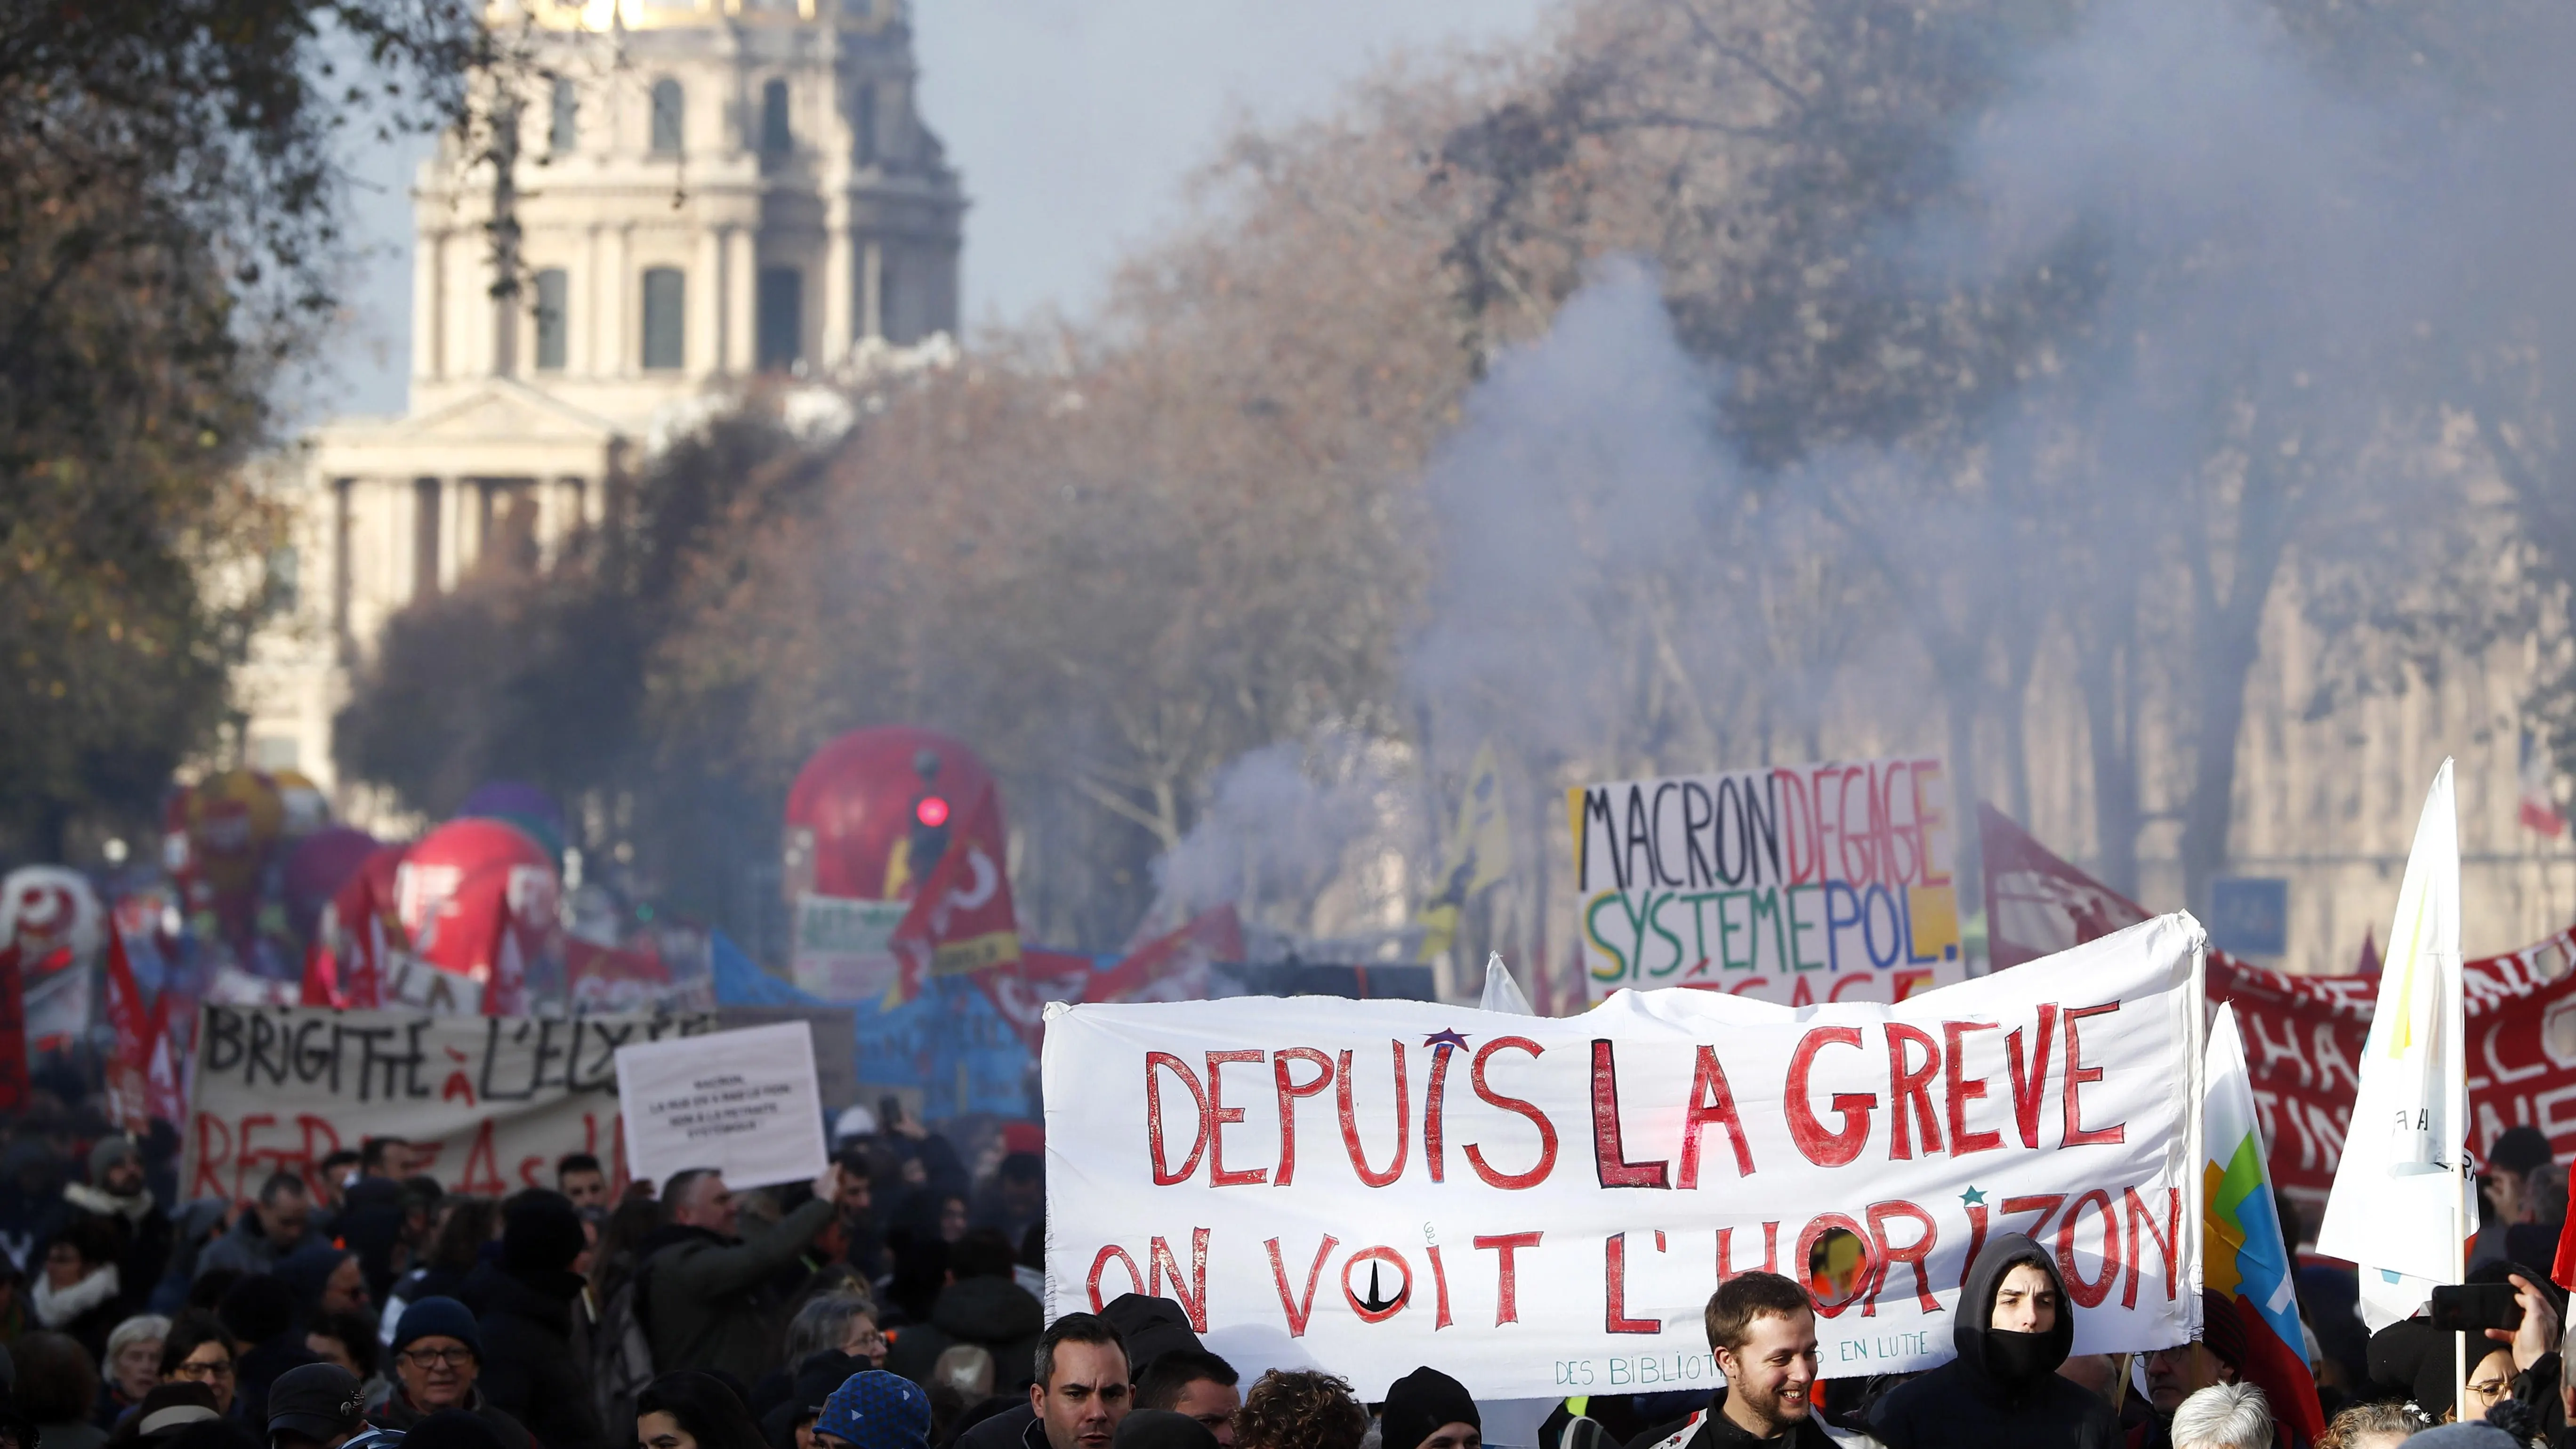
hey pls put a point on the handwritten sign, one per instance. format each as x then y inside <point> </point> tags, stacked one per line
<point>743,1102</point>
<point>1796,883</point>
<point>1543,1206</point>
<point>490,1101</point>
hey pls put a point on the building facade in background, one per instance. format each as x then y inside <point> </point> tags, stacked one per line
<point>705,191</point>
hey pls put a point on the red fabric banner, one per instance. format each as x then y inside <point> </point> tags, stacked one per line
<point>961,919</point>
<point>13,1033</point>
<point>2304,1034</point>
<point>129,1060</point>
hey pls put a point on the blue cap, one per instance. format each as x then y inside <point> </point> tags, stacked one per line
<point>877,1410</point>
<point>438,1318</point>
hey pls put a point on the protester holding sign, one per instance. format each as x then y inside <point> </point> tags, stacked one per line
<point>705,1287</point>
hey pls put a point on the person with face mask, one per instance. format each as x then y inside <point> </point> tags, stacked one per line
<point>2003,1390</point>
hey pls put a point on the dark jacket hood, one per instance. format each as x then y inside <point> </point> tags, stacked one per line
<point>1971,1332</point>
<point>988,1311</point>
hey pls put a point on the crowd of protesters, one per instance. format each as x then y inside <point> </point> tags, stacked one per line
<point>894,1303</point>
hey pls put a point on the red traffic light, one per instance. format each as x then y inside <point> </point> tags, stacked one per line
<point>931,810</point>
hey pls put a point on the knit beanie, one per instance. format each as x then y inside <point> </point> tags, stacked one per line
<point>438,1318</point>
<point>877,1410</point>
<point>1419,1403</point>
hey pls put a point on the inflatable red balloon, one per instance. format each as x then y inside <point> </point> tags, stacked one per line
<point>852,810</point>
<point>477,897</point>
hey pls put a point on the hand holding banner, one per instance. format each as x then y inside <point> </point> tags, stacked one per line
<point>1543,1206</point>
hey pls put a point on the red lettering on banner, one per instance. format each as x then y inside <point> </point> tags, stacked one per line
<point>1726,1251</point>
<point>1823,1148</point>
<point>1614,1275</point>
<point>2045,1204</point>
<point>1507,1302</point>
<point>1609,1157</point>
<point>2030,1086</point>
<point>1916,1254</point>
<point>1164,1176</point>
<point>1351,1127</point>
<point>1546,1129</point>
<point>1963,1089</point>
<point>482,1172</point>
<point>1374,1308</point>
<point>2142,1226</point>
<point>1298,1311</point>
<point>1218,1115</point>
<point>1803,1259</point>
<point>1435,1102</point>
<point>205,1183</point>
<point>2089,1295</point>
<point>1289,1092</point>
<point>1193,1299</point>
<point>1911,1085</point>
<point>1976,1240</point>
<point>2077,1075</point>
<point>1440,1284</point>
<point>1100,1264</point>
<point>1711,1100</point>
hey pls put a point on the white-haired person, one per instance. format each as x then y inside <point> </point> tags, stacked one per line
<point>2224,1416</point>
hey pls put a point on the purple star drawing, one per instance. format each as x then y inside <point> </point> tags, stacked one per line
<point>1449,1038</point>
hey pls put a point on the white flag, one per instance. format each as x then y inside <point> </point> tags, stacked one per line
<point>2402,1203</point>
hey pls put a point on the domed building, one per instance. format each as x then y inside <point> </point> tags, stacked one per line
<point>704,191</point>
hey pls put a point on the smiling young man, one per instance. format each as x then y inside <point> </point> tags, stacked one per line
<point>1762,1328</point>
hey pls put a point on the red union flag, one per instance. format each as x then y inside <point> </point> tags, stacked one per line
<point>130,1060</point>
<point>961,920</point>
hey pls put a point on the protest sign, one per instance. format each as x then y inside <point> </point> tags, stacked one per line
<point>490,1101</point>
<point>843,949</point>
<point>1542,1206</point>
<point>1796,883</point>
<point>743,1102</point>
<point>2304,1034</point>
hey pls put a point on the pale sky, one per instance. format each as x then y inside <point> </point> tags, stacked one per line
<point>1074,122</point>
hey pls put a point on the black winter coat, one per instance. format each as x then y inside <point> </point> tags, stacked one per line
<point>530,1367</point>
<point>1968,1403</point>
<point>997,1313</point>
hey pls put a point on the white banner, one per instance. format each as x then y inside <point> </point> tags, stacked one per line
<point>493,1100</point>
<point>1794,883</point>
<point>743,1102</point>
<point>1542,1206</point>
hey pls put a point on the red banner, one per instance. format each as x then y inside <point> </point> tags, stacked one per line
<point>2304,1034</point>
<point>13,1033</point>
<point>130,1059</point>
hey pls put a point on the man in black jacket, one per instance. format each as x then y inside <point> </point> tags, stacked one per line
<point>1762,1327</point>
<point>524,1305</point>
<point>2003,1390</point>
<point>116,1196</point>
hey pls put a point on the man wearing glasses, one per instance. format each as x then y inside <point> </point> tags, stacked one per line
<point>438,1353</point>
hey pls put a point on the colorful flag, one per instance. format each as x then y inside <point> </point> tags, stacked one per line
<point>1173,967</point>
<point>961,919</point>
<point>321,975</point>
<point>2539,808</point>
<point>2244,1259</point>
<point>129,1060</point>
<point>1476,855</point>
<point>2403,1204</point>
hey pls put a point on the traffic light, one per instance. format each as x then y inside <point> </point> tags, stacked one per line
<point>929,836</point>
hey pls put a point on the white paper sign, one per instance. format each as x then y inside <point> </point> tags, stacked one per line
<point>1542,1207</point>
<point>743,1102</point>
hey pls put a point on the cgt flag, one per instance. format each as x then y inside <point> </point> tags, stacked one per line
<point>2402,1207</point>
<point>2243,1258</point>
<point>961,919</point>
<point>129,1061</point>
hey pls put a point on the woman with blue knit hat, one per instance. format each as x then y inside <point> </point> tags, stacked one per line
<point>437,1354</point>
<point>875,1410</point>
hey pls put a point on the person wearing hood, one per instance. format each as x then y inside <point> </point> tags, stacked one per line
<point>2003,1390</point>
<point>985,1305</point>
<point>1762,1329</point>
<point>525,1311</point>
<point>115,1197</point>
<point>79,1287</point>
<point>701,1294</point>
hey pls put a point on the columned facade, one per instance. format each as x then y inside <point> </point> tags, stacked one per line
<point>706,190</point>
